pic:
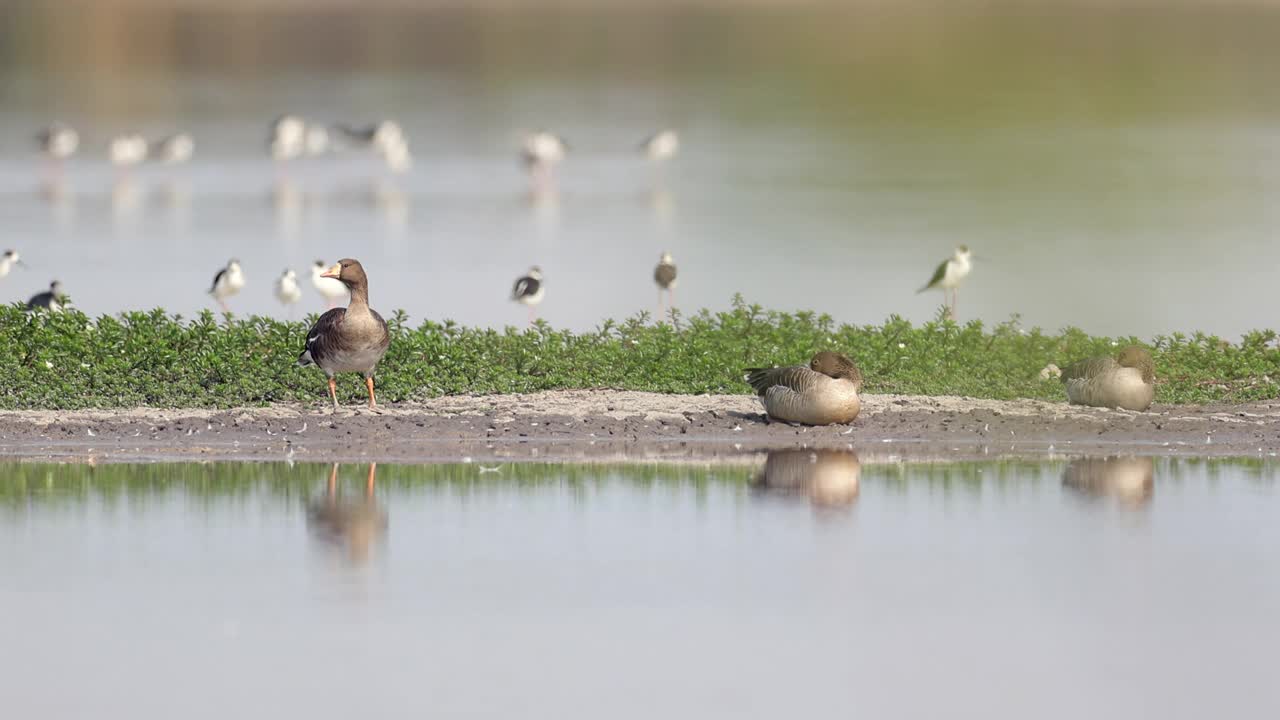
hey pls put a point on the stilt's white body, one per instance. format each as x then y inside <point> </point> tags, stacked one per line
<point>662,146</point>
<point>287,290</point>
<point>7,261</point>
<point>59,142</point>
<point>229,283</point>
<point>958,268</point>
<point>127,150</point>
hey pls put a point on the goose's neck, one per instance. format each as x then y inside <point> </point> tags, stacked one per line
<point>359,297</point>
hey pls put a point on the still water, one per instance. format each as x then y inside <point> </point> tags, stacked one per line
<point>1117,167</point>
<point>807,585</point>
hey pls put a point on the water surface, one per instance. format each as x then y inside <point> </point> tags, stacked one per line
<point>1116,165</point>
<point>808,585</point>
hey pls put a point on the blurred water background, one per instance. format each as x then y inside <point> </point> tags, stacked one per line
<point>1116,165</point>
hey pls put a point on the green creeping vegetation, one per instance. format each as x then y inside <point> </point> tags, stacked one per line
<point>68,360</point>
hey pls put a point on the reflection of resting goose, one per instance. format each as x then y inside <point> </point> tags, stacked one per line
<point>345,522</point>
<point>828,477</point>
<point>1130,480</point>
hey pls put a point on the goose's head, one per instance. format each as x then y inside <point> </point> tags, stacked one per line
<point>347,271</point>
<point>833,364</point>
<point>1138,357</point>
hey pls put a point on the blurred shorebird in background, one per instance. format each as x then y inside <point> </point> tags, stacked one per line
<point>528,290</point>
<point>541,152</point>
<point>125,151</point>
<point>58,142</point>
<point>8,261</point>
<point>948,275</point>
<point>662,145</point>
<point>51,299</point>
<point>664,275</point>
<point>287,290</point>
<point>286,138</point>
<point>227,282</point>
<point>172,150</point>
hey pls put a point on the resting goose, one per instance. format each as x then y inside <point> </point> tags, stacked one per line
<point>1126,381</point>
<point>351,339</point>
<point>824,393</point>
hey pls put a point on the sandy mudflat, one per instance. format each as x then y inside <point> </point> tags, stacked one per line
<point>614,425</point>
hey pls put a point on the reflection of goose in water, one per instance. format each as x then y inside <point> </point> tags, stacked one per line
<point>828,477</point>
<point>353,524</point>
<point>1129,480</point>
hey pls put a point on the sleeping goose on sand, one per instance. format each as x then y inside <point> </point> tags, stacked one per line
<point>824,393</point>
<point>351,339</point>
<point>1126,381</point>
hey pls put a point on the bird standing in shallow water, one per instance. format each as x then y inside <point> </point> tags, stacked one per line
<point>8,260</point>
<point>330,289</point>
<point>51,299</point>
<point>227,282</point>
<point>948,276</point>
<point>541,152</point>
<point>125,151</point>
<point>665,277</point>
<point>528,290</point>
<point>58,142</point>
<point>1126,381</point>
<point>351,339</point>
<point>823,393</point>
<point>662,145</point>
<point>287,290</point>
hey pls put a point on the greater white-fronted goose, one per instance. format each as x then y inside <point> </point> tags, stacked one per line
<point>351,339</point>
<point>1126,381</point>
<point>823,393</point>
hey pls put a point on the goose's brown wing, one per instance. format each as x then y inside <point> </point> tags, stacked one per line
<point>1088,368</point>
<point>324,338</point>
<point>794,377</point>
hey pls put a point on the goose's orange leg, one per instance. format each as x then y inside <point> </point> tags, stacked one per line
<point>369,384</point>
<point>333,392</point>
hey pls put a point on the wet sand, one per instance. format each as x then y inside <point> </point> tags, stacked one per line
<point>631,426</point>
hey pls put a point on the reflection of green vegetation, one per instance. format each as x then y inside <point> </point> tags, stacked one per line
<point>71,485</point>
<point>69,361</point>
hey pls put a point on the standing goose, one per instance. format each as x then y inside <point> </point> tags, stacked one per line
<point>824,393</point>
<point>948,276</point>
<point>1126,381</point>
<point>330,289</point>
<point>227,282</point>
<point>665,277</point>
<point>528,290</point>
<point>351,339</point>
<point>51,299</point>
